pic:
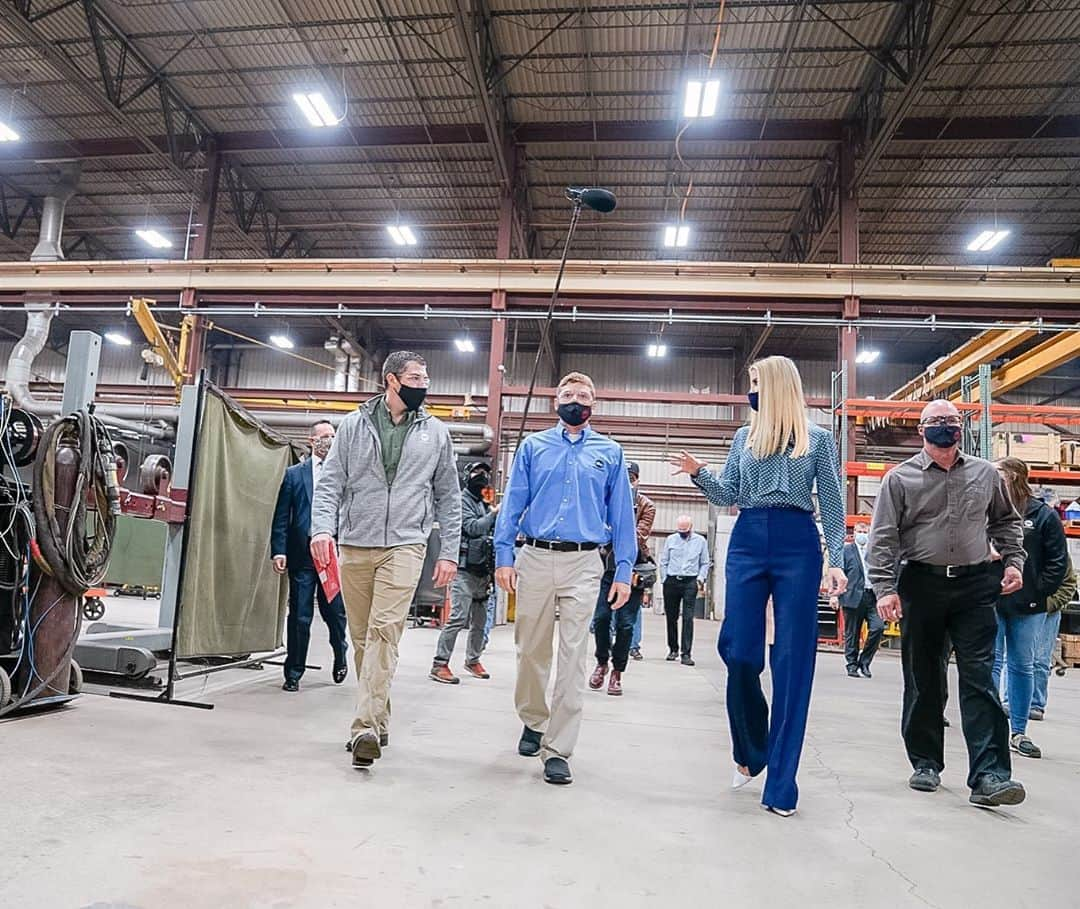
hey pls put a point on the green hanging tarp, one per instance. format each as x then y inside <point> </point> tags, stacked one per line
<point>232,601</point>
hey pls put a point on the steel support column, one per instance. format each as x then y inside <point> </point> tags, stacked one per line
<point>206,212</point>
<point>849,201</point>
<point>496,371</point>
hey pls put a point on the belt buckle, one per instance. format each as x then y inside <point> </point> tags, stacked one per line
<point>949,571</point>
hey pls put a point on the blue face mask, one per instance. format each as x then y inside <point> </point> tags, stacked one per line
<point>862,538</point>
<point>753,399</point>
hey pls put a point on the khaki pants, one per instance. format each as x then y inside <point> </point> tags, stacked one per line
<point>570,581</point>
<point>377,586</point>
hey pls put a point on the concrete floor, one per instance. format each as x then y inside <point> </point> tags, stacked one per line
<point>254,804</point>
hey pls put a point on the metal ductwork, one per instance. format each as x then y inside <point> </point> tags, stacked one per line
<point>51,235</point>
<point>39,316</point>
<point>341,362</point>
<point>354,365</point>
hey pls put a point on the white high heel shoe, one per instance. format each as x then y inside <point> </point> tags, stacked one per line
<point>739,779</point>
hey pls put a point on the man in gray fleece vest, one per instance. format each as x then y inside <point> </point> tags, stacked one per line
<point>389,476</point>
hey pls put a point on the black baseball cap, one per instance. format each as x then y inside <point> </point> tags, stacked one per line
<point>633,469</point>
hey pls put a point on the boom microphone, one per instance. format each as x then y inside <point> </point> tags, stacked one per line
<point>600,200</point>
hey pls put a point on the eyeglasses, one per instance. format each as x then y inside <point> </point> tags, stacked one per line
<point>584,396</point>
<point>943,421</point>
<point>415,379</point>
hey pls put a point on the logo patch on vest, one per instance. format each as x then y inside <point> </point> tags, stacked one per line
<point>599,464</point>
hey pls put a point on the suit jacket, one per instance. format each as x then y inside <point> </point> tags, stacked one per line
<point>290,533</point>
<point>856,579</point>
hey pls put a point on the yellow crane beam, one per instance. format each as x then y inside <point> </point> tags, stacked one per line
<point>141,311</point>
<point>1031,364</point>
<point>965,360</point>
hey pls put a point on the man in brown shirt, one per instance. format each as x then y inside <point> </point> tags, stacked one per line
<point>936,513</point>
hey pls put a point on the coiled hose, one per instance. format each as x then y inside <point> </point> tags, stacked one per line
<point>74,543</point>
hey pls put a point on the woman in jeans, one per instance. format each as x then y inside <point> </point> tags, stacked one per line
<point>1022,615</point>
<point>775,550</point>
<point>1046,641</point>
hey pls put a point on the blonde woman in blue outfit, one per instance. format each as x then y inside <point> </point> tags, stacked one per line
<point>775,550</point>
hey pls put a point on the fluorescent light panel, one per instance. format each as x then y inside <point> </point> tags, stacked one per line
<point>153,238</point>
<point>282,341</point>
<point>118,338</point>
<point>867,356</point>
<point>465,345</point>
<point>7,134</point>
<point>657,350</point>
<point>676,236</point>
<point>401,234</point>
<point>314,107</point>
<point>701,98</point>
<point>988,239</point>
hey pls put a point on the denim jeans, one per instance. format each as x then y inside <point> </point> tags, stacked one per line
<point>1045,641</point>
<point>489,623</point>
<point>635,639</point>
<point>1016,652</point>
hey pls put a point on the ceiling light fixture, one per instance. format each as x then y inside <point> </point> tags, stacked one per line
<point>7,134</point>
<point>676,236</point>
<point>701,98</point>
<point>657,350</point>
<point>314,107</point>
<point>465,345</point>
<point>866,356</point>
<point>987,240</point>
<point>118,338</point>
<point>282,341</point>
<point>401,234</point>
<point>153,238</point>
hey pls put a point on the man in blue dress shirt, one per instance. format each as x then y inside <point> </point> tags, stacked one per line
<point>568,494</point>
<point>684,568</point>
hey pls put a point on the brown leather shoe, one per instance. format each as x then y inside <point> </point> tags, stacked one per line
<point>477,669</point>
<point>441,673</point>
<point>596,680</point>
<point>614,685</point>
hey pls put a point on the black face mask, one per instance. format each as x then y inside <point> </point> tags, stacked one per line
<point>942,436</point>
<point>574,414</point>
<point>752,397</point>
<point>411,397</point>
<point>685,534</point>
<point>476,485</point>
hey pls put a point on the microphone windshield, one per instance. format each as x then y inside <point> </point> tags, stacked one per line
<point>601,200</point>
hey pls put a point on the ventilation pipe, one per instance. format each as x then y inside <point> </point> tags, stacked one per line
<point>354,364</point>
<point>341,362</point>
<point>39,317</point>
<point>469,438</point>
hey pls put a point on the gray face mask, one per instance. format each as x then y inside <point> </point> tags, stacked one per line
<point>861,538</point>
<point>321,447</point>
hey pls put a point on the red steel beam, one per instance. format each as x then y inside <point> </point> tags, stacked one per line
<point>913,129</point>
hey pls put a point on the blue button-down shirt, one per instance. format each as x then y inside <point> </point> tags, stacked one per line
<point>687,558</point>
<point>566,490</point>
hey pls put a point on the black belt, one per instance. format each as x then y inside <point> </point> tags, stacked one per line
<point>682,577</point>
<point>950,571</point>
<point>561,545</point>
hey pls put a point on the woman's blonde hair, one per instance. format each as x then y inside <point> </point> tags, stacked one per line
<point>780,419</point>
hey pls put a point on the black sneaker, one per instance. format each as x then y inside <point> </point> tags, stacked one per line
<point>635,654</point>
<point>557,772</point>
<point>864,671</point>
<point>529,743</point>
<point>672,656</point>
<point>291,685</point>
<point>686,661</point>
<point>991,793</point>
<point>852,672</point>
<point>925,779</point>
<point>1021,744</point>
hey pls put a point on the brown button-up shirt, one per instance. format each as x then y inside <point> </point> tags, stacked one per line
<point>924,513</point>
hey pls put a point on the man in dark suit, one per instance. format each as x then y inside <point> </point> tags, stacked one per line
<point>289,543</point>
<point>859,605</point>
